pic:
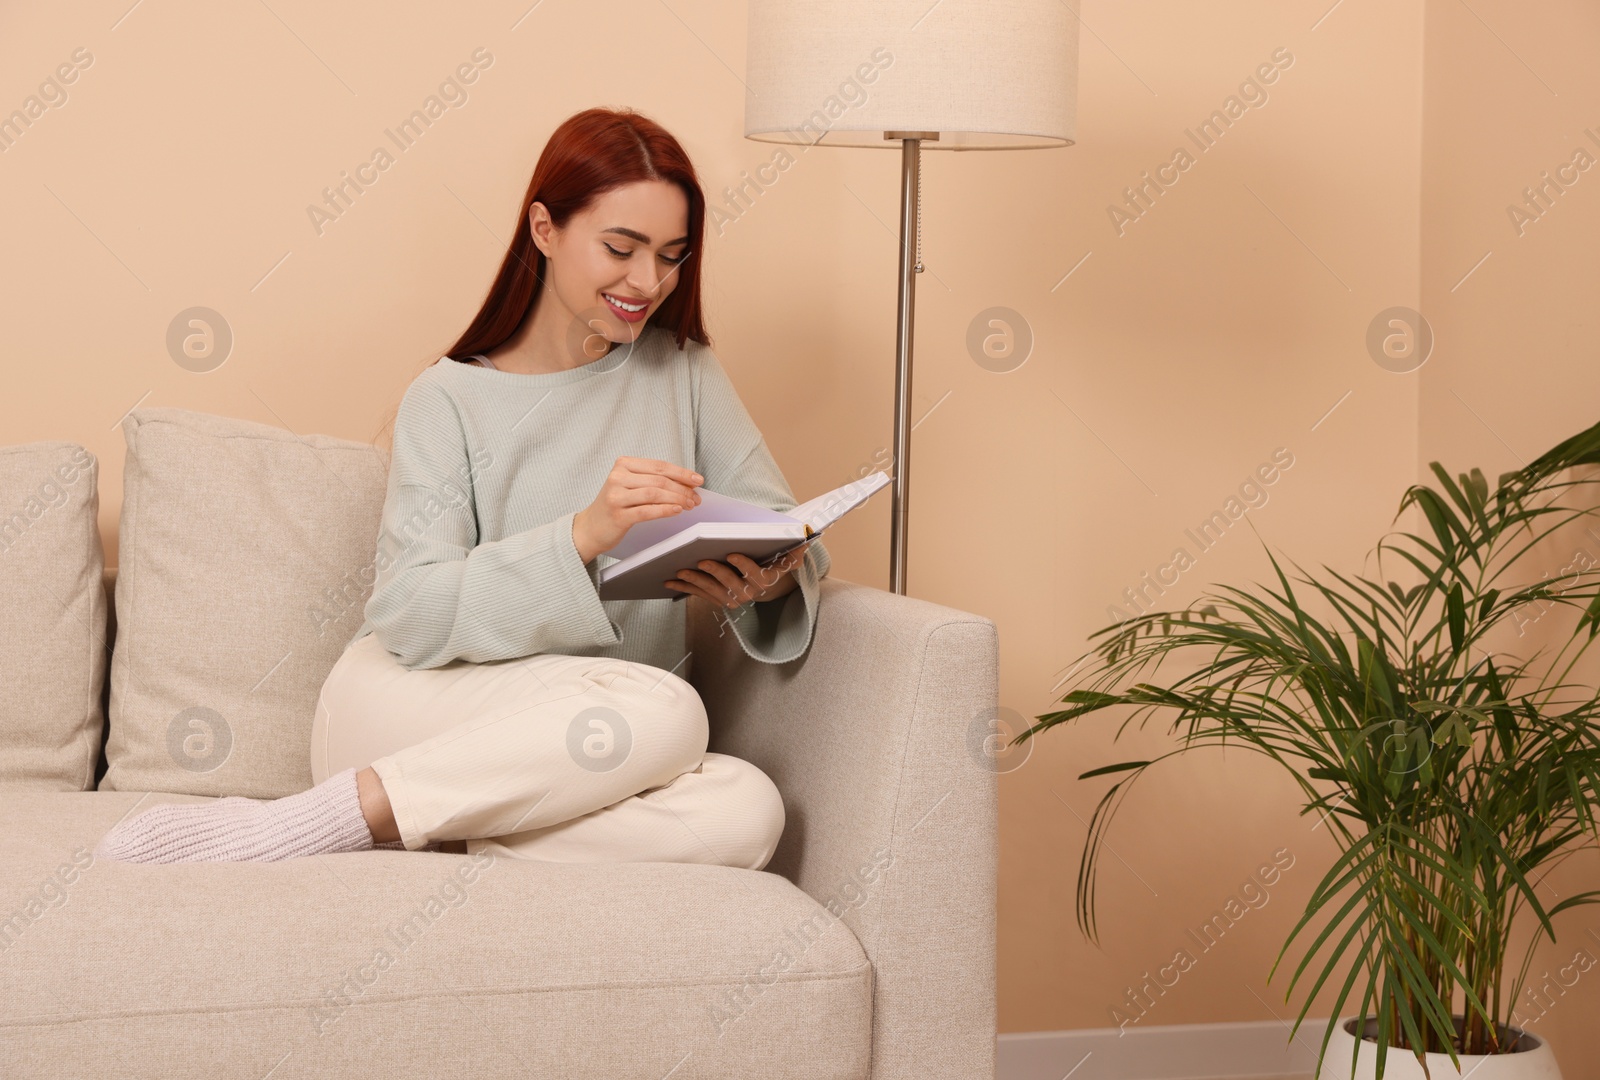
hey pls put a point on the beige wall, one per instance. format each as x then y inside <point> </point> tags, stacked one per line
<point>1176,358</point>
<point>1227,323</point>
<point>1512,91</point>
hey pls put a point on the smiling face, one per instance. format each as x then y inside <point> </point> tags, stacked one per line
<point>615,263</point>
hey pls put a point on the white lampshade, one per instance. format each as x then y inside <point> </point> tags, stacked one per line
<point>984,74</point>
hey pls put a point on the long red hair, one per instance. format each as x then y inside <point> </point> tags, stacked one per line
<point>591,153</point>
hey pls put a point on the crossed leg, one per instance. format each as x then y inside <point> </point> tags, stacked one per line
<point>553,757</point>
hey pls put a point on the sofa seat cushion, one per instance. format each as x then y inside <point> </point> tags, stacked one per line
<point>397,963</point>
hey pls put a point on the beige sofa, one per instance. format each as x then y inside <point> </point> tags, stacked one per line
<point>865,949</point>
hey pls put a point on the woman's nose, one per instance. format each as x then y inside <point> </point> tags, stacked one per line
<point>647,284</point>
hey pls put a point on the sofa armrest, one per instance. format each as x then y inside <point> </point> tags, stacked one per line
<point>869,737</point>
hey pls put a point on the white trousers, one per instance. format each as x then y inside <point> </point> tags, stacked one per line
<point>553,757</point>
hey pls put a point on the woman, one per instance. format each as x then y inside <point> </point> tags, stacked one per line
<point>490,699</point>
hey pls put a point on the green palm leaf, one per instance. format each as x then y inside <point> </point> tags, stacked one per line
<point>1448,776</point>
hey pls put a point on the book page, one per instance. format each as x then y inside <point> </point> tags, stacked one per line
<point>829,507</point>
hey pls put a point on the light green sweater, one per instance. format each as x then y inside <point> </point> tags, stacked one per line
<point>475,554</point>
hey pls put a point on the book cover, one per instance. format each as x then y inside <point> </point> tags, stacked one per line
<point>654,551</point>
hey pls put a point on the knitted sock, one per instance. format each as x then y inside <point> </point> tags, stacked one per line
<point>392,845</point>
<point>324,819</point>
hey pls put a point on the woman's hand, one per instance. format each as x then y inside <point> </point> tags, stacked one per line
<point>637,489</point>
<point>742,582</point>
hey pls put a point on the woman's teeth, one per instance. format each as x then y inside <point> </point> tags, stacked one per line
<point>619,304</point>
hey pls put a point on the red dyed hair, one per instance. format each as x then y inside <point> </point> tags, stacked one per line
<point>589,154</point>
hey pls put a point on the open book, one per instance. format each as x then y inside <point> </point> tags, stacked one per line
<point>656,550</point>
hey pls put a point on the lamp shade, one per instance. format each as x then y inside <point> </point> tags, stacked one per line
<point>984,74</point>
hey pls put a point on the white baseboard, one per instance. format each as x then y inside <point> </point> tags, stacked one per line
<point>1174,1052</point>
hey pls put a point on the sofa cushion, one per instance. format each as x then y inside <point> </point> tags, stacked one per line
<point>52,617</point>
<point>410,963</point>
<point>246,555</point>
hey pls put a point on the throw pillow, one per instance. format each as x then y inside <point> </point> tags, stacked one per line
<point>52,617</point>
<point>246,556</point>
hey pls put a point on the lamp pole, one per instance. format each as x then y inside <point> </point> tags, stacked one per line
<point>910,264</point>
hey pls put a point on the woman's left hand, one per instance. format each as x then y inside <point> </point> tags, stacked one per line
<point>742,582</point>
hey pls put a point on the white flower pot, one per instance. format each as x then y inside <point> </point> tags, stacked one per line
<point>1533,1062</point>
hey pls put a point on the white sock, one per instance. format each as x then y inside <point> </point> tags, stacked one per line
<point>324,819</point>
<point>391,845</point>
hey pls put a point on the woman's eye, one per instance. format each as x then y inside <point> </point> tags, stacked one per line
<point>628,255</point>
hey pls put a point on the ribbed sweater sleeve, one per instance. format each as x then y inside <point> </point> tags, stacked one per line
<point>441,595</point>
<point>733,457</point>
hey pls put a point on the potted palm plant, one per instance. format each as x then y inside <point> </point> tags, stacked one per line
<point>1451,776</point>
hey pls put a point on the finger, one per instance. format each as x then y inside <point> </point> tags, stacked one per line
<point>723,577</point>
<point>659,489</point>
<point>722,583</point>
<point>663,473</point>
<point>745,585</point>
<point>678,585</point>
<point>651,495</point>
<point>763,576</point>
<point>654,480</point>
<point>715,595</point>
<point>789,560</point>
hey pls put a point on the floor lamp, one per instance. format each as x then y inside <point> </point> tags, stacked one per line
<point>948,74</point>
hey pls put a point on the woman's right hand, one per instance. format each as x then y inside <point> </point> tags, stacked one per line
<point>637,489</point>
